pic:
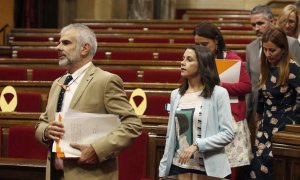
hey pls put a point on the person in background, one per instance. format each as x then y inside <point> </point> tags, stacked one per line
<point>288,20</point>
<point>262,19</point>
<point>278,86</point>
<point>89,89</point>
<point>206,106</point>
<point>239,150</point>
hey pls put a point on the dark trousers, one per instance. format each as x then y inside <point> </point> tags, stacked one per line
<point>55,174</point>
<point>175,170</point>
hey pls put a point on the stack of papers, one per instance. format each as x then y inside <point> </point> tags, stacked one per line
<point>83,128</point>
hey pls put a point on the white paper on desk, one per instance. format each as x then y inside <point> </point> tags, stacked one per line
<point>84,128</point>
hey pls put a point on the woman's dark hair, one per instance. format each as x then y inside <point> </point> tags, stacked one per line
<point>207,70</point>
<point>210,31</point>
<point>278,37</point>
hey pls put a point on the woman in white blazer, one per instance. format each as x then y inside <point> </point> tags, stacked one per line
<point>200,112</point>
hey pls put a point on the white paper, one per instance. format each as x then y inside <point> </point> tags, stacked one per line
<point>231,75</point>
<point>84,128</point>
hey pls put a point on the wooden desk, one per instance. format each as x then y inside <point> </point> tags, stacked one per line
<point>286,151</point>
<point>110,46</point>
<point>12,168</point>
<point>190,176</point>
<point>135,31</point>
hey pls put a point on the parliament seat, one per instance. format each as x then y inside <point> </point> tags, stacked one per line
<point>126,74</point>
<point>47,74</point>
<point>120,37</point>
<point>33,37</point>
<point>126,55</point>
<point>133,39</point>
<point>233,29</point>
<point>171,56</point>
<point>138,54</point>
<point>133,159</point>
<point>161,75</point>
<point>13,73</point>
<point>29,102</point>
<point>151,40</point>
<point>238,40</point>
<point>112,39</point>
<point>48,53</point>
<point>156,105</point>
<point>21,143</point>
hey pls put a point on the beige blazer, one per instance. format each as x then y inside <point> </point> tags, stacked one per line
<point>98,92</point>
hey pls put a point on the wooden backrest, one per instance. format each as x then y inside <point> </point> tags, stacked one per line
<point>126,74</point>
<point>29,102</point>
<point>161,75</point>
<point>21,143</point>
<point>133,159</point>
<point>156,105</point>
<point>13,73</point>
<point>47,74</point>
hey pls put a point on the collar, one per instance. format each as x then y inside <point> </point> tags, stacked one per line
<point>80,71</point>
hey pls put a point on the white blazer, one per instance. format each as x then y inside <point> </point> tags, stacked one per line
<point>217,132</point>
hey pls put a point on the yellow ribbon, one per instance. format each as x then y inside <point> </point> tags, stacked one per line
<point>11,106</point>
<point>139,110</point>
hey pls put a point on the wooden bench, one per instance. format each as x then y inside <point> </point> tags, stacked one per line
<point>120,51</point>
<point>44,86</point>
<point>103,63</point>
<point>110,51</point>
<point>128,38</point>
<point>123,51</point>
<point>217,11</point>
<point>152,91</point>
<point>224,30</point>
<point>229,24</point>
<point>48,70</point>
<point>153,23</point>
<point>218,17</point>
<point>24,167</point>
<point>115,45</point>
<point>286,151</point>
<point>19,168</point>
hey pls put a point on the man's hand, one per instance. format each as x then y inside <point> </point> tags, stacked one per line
<point>187,153</point>
<point>55,131</point>
<point>88,154</point>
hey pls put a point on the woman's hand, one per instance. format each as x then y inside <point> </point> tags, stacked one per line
<point>186,154</point>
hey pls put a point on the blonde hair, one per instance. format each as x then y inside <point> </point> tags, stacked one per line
<point>284,17</point>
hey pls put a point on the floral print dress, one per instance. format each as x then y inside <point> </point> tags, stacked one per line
<point>277,106</point>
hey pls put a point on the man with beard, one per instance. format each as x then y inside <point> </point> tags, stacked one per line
<point>89,89</point>
<point>262,19</point>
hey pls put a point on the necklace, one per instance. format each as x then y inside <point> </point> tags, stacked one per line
<point>66,87</point>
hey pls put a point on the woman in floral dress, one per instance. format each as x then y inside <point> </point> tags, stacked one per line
<point>278,88</point>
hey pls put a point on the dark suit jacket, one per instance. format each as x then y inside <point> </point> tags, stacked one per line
<point>98,92</point>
